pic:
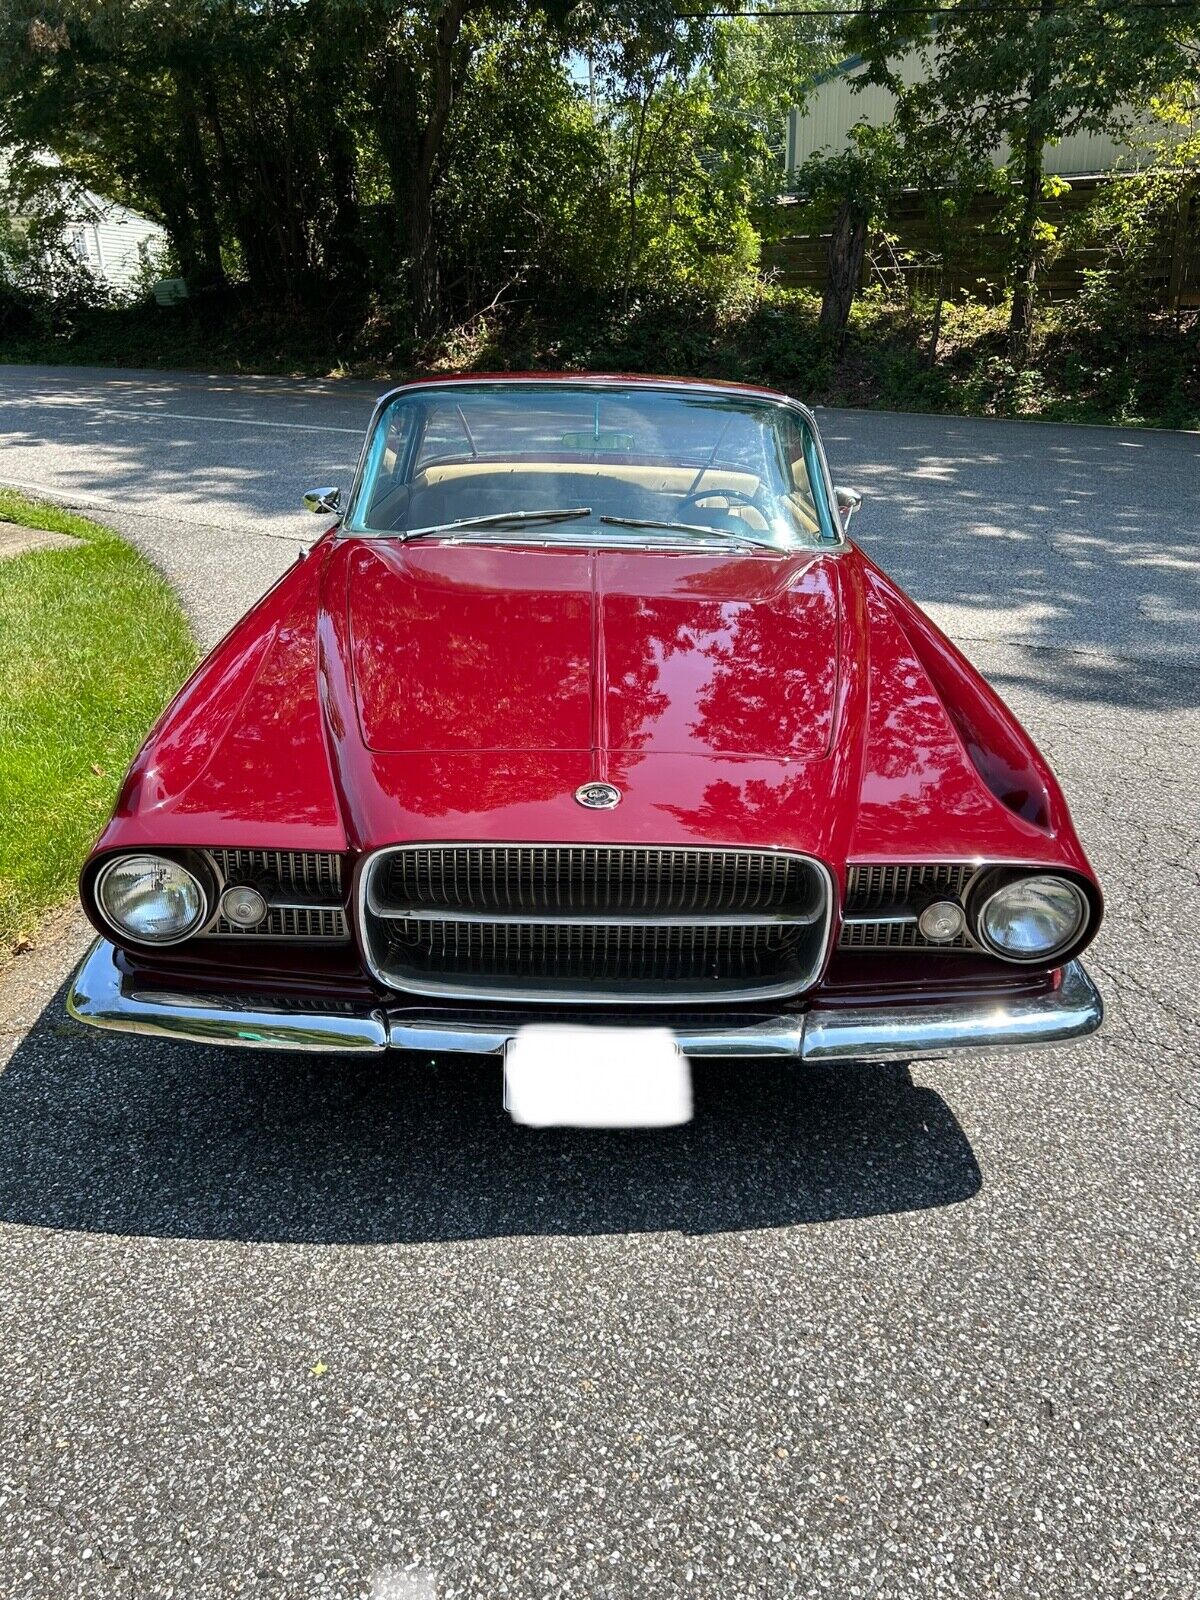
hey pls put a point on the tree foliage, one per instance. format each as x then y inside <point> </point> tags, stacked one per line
<point>1038,71</point>
<point>430,156</point>
<point>415,165</point>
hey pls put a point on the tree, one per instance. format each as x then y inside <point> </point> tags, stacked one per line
<point>857,184</point>
<point>1022,75</point>
<point>223,123</point>
<point>759,71</point>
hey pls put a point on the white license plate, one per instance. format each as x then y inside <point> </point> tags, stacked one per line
<point>577,1077</point>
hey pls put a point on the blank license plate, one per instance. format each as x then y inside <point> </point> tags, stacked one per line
<point>576,1077</point>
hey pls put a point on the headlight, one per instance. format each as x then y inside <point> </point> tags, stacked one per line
<point>151,899</point>
<point>1032,918</point>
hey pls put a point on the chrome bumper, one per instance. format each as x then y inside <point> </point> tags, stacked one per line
<point>101,997</point>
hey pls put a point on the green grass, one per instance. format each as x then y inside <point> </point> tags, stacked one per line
<point>92,644</point>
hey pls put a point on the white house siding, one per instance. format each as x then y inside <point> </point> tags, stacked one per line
<point>114,241</point>
<point>833,107</point>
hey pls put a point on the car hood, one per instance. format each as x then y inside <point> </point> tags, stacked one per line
<point>506,649</point>
<point>379,695</point>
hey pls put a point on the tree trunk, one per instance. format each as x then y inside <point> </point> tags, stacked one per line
<point>1033,154</point>
<point>446,71</point>
<point>340,245</point>
<point>413,150</point>
<point>1020,321</point>
<point>935,333</point>
<point>181,230</point>
<point>844,276</point>
<point>206,269</point>
<point>422,251</point>
<point>232,186</point>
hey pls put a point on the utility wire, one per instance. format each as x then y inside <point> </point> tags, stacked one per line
<point>968,9</point>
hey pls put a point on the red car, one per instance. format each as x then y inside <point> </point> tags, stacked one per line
<point>587,710</point>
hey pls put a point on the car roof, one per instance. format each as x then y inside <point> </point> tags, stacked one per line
<point>591,379</point>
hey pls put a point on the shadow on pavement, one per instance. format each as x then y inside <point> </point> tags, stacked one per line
<point>141,1137</point>
<point>1076,546</point>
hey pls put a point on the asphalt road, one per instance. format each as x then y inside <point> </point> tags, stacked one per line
<point>281,1328</point>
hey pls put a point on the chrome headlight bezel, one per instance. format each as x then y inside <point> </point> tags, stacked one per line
<point>153,942</point>
<point>993,886</point>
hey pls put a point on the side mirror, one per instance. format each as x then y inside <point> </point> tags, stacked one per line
<point>848,502</point>
<point>323,502</point>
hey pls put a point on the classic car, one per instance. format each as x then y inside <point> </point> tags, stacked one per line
<point>586,709</point>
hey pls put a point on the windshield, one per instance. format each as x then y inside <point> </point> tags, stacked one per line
<point>613,463</point>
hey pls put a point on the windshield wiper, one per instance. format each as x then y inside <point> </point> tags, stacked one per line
<point>500,519</point>
<point>690,527</point>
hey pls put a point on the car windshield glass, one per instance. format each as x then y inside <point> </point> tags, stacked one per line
<point>636,457</point>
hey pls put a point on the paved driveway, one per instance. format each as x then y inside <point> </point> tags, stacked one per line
<point>282,1328</point>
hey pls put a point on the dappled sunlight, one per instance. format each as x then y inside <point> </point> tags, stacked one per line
<point>1088,548</point>
<point>1080,541</point>
<point>231,453</point>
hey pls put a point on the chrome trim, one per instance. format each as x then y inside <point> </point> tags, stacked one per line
<point>596,795</point>
<point>597,919</point>
<point>883,1033</point>
<point>849,503</point>
<point>323,502</point>
<point>863,919</point>
<point>547,994</point>
<point>771,1037</point>
<point>100,997</point>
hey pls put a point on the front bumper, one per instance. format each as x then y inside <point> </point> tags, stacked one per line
<point>102,996</point>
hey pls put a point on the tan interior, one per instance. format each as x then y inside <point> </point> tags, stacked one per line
<point>660,479</point>
<point>438,478</point>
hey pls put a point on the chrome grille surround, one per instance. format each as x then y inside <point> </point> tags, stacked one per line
<point>883,902</point>
<point>303,890</point>
<point>594,923</point>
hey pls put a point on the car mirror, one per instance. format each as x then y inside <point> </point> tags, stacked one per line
<point>323,502</point>
<point>848,501</point>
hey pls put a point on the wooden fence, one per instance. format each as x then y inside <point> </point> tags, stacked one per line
<point>908,252</point>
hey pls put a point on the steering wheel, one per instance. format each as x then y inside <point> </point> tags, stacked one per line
<point>736,497</point>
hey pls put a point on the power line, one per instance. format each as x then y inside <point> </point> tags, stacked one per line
<point>968,9</point>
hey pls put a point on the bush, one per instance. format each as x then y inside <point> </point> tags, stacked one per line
<point>44,287</point>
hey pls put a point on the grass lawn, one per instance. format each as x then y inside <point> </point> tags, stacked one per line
<point>92,644</point>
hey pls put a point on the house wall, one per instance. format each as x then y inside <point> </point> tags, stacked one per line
<point>833,107</point>
<point>113,240</point>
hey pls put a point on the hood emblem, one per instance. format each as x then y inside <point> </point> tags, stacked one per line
<point>598,796</point>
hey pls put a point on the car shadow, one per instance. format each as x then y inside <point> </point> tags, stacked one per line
<point>136,1136</point>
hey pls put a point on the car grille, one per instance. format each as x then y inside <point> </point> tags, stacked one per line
<point>303,889</point>
<point>880,887</point>
<point>313,874</point>
<point>594,923</point>
<point>288,922</point>
<point>549,878</point>
<point>883,902</point>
